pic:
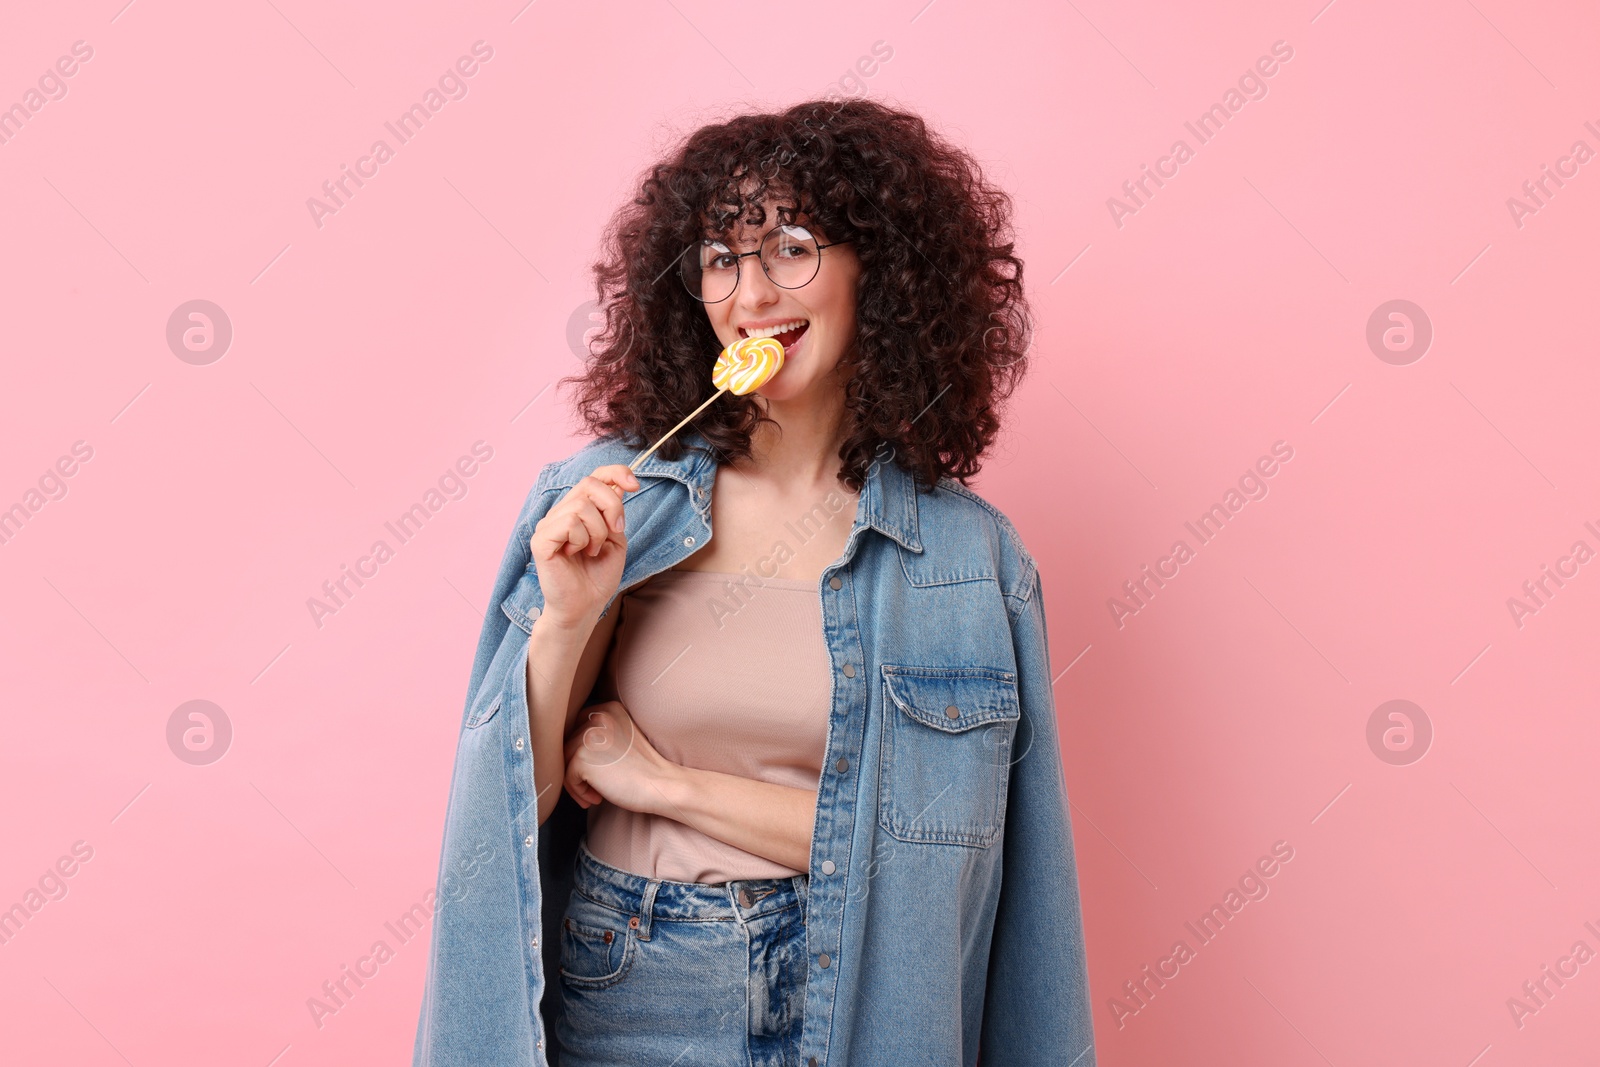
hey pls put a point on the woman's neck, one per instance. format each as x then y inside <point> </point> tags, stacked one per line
<point>801,449</point>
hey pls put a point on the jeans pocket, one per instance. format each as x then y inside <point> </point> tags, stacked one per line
<point>946,753</point>
<point>597,944</point>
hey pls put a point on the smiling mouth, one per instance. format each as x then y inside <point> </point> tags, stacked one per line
<point>787,338</point>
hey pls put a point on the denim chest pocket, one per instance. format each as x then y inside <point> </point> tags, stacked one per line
<point>597,945</point>
<point>946,753</point>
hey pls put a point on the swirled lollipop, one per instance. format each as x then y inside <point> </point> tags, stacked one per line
<point>742,368</point>
<point>747,365</point>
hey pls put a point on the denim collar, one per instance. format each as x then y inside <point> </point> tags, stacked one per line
<point>888,500</point>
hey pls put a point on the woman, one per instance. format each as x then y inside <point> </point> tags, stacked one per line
<point>826,821</point>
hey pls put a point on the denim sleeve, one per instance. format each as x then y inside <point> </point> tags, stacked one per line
<point>443,980</point>
<point>1037,1006</point>
<point>513,564</point>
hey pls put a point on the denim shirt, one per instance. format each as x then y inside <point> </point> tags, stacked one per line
<point>943,917</point>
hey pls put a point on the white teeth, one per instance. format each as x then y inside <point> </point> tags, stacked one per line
<point>773,331</point>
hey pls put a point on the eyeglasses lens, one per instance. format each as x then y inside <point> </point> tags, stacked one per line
<point>789,255</point>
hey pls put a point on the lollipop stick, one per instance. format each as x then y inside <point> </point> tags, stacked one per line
<point>646,455</point>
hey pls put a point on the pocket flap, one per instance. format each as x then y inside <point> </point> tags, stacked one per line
<point>483,710</point>
<point>953,699</point>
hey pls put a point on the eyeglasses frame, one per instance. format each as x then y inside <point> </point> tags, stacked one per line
<point>738,268</point>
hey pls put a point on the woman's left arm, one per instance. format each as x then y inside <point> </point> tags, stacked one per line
<point>608,758</point>
<point>772,821</point>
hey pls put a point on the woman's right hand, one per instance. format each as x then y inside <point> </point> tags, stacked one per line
<point>580,546</point>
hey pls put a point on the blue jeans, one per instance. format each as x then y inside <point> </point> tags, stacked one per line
<point>655,972</point>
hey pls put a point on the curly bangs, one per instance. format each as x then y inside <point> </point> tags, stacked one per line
<point>942,324</point>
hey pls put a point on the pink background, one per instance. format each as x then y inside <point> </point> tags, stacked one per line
<point>434,311</point>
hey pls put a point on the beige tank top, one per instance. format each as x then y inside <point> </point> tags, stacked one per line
<point>724,675</point>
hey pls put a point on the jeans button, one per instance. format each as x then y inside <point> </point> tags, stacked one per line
<point>824,959</point>
<point>952,712</point>
<point>834,583</point>
<point>828,867</point>
<point>842,766</point>
<point>849,670</point>
<point>744,897</point>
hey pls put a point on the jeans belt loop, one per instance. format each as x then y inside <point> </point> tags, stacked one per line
<point>647,907</point>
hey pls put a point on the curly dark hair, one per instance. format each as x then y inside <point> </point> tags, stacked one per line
<point>942,321</point>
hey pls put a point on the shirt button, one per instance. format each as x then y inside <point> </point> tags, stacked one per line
<point>528,841</point>
<point>688,541</point>
<point>517,744</point>
<point>823,960</point>
<point>533,941</point>
<point>842,766</point>
<point>812,1062</point>
<point>849,670</point>
<point>834,583</point>
<point>828,867</point>
<point>952,712</point>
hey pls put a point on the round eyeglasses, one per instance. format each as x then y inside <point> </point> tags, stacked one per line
<point>789,254</point>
